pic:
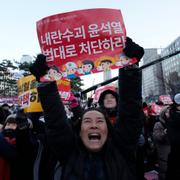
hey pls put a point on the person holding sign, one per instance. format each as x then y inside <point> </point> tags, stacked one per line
<point>99,151</point>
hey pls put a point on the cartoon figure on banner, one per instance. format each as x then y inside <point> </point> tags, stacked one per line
<point>105,65</point>
<point>52,74</point>
<point>70,70</point>
<point>123,60</point>
<point>86,67</point>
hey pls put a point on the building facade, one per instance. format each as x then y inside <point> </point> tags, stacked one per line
<point>6,84</point>
<point>152,77</point>
<point>164,77</point>
<point>171,67</point>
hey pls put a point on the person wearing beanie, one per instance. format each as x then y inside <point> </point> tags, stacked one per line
<point>162,144</point>
<point>99,150</point>
<point>17,151</point>
<point>7,147</point>
<point>108,100</point>
<point>173,132</point>
<point>176,100</point>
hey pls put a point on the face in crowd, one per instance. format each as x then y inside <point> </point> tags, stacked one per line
<point>11,125</point>
<point>110,101</point>
<point>93,130</point>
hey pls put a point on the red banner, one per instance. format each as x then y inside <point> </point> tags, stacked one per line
<point>84,42</point>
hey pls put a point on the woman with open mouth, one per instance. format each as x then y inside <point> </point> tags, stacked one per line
<point>96,150</point>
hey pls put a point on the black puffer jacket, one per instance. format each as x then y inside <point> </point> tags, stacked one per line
<point>173,131</point>
<point>20,156</point>
<point>116,160</point>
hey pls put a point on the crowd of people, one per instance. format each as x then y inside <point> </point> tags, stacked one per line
<point>118,139</point>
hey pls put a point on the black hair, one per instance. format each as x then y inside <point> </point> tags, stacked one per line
<point>104,93</point>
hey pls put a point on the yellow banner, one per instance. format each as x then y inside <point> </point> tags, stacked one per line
<point>27,94</point>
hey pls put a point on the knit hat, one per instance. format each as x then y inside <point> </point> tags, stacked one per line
<point>104,93</point>
<point>10,119</point>
<point>177,99</point>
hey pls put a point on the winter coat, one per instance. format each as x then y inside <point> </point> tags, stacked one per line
<point>162,143</point>
<point>45,165</point>
<point>20,156</point>
<point>7,151</point>
<point>116,159</point>
<point>173,131</point>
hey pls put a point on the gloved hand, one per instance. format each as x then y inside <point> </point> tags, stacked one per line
<point>132,49</point>
<point>39,68</point>
<point>22,120</point>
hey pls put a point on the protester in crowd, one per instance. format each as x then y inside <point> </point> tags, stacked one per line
<point>7,149</point>
<point>108,100</point>
<point>150,148</point>
<point>17,151</point>
<point>173,132</point>
<point>160,138</point>
<point>6,108</point>
<point>4,112</point>
<point>100,151</point>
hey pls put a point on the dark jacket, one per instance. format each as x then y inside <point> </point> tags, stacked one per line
<point>44,167</point>
<point>160,138</point>
<point>173,132</point>
<point>7,152</point>
<point>116,160</point>
<point>45,163</point>
<point>20,155</point>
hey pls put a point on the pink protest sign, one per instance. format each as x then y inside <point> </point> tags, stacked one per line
<point>165,99</point>
<point>84,42</point>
